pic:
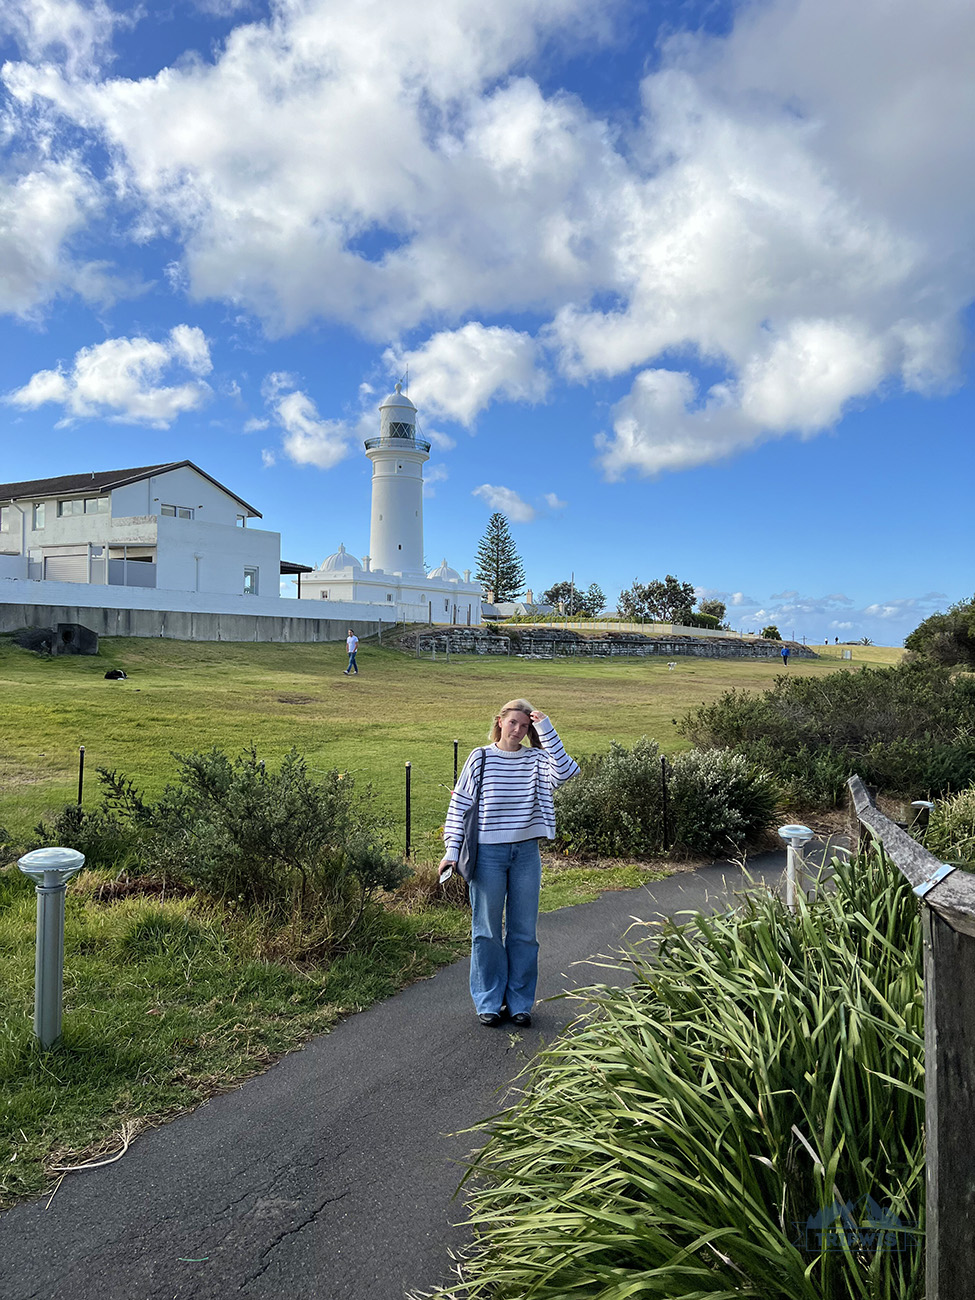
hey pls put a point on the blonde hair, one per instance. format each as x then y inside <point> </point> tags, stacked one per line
<point>514,706</point>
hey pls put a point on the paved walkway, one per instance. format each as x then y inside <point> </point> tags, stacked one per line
<point>331,1176</point>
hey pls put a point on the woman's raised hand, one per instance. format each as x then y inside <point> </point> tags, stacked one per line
<point>536,716</point>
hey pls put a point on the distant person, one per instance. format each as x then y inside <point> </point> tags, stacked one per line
<point>352,644</point>
<point>785,655</point>
<point>513,785</point>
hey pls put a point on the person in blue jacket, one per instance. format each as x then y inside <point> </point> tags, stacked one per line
<point>785,655</point>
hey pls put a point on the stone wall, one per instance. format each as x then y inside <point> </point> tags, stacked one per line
<point>536,642</point>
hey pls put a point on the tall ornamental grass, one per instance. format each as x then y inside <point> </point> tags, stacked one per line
<point>762,1067</point>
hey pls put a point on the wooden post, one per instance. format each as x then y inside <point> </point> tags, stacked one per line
<point>948,910</point>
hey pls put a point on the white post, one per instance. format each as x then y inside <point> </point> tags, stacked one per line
<point>50,869</point>
<point>795,837</point>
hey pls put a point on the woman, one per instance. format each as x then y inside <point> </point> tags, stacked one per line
<point>515,811</point>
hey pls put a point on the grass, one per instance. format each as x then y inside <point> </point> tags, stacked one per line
<point>186,696</point>
<point>762,1068</point>
<point>170,1001</point>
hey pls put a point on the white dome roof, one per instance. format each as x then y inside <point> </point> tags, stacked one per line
<point>340,560</point>
<point>444,573</point>
<point>398,399</point>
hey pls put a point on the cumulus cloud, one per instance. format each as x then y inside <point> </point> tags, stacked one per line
<point>119,380</point>
<point>553,502</point>
<point>799,224</point>
<point>308,439</point>
<point>457,373</point>
<point>432,477</point>
<point>75,35</point>
<point>507,501</point>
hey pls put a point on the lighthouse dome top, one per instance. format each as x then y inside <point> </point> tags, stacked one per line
<point>444,573</point>
<point>398,398</point>
<point>341,559</point>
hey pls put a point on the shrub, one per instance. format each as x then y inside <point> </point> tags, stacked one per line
<point>273,841</point>
<point>771,633</point>
<point>613,807</point>
<point>951,831</point>
<point>909,730</point>
<point>946,638</point>
<point>678,1143</point>
<point>720,801</point>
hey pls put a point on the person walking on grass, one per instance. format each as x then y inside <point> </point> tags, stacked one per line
<point>352,644</point>
<point>785,656</point>
<point>513,785</point>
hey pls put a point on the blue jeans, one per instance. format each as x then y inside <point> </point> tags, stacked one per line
<point>353,666</point>
<point>504,965</point>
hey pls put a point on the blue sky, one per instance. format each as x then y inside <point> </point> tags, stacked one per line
<point>682,288</point>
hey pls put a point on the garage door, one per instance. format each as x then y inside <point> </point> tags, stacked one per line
<point>66,568</point>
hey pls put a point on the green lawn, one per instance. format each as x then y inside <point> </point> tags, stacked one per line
<point>184,696</point>
<point>168,1001</point>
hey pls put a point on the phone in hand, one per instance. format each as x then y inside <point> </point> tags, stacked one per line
<point>446,872</point>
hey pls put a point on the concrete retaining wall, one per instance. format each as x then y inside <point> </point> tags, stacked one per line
<point>538,643</point>
<point>183,625</point>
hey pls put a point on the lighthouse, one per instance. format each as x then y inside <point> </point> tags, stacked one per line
<point>398,457</point>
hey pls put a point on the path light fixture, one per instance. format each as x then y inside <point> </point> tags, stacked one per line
<point>50,869</point>
<point>795,837</point>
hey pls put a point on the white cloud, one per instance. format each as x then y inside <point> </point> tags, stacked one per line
<point>308,439</point>
<point>118,380</point>
<point>39,213</point>
<point>457,373</point>
<point>507,501</point>
<point>553,502</point>
<point>75,35</point>
<point>268,458</point>
<point>255,425</point>
<point>434,476</point>
<point>791,209</point>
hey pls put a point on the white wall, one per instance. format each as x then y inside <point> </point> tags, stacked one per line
<point>16,591</point>
<point>177,487</point>
<point>13,566</point>
<point>224,552</point>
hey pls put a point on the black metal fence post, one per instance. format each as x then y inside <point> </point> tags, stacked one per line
<point>456,743</point>
<point>81,773</point>
<point>409,770</point>
<point>663,799</point>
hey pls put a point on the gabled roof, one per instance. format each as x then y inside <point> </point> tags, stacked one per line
<point>103,481</point>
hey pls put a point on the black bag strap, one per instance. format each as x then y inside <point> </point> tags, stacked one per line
<point>480,776</point>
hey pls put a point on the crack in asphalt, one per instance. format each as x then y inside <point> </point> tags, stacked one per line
<point>289,1232</point>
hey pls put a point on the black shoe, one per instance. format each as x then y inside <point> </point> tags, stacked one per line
<point>522,1019</point>
<point>489,1018</point>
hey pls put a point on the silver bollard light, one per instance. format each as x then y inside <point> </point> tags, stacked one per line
<point>795,837</point>
<point>50,869</point>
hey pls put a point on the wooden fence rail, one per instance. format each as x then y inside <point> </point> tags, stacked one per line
<point>947,896</point>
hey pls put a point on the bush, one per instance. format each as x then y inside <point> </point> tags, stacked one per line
<point>771,633</point>
<point>951,831</point>
<point>614,807</point>
<point>946,638</point>
<point>272,841</point>
<point>908,730</point>
<point>680,1141</point>
<point>720,801</point>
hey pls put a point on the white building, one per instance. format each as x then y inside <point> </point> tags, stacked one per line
<point>170,527</point>
<point>393,573</point>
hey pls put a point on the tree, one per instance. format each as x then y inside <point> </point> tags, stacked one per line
<point>771,633</point>
<point>669,601</point>
<point>946,638</point>
<point>716,608</point>
<point>572,601</point>
<point>499,565</point>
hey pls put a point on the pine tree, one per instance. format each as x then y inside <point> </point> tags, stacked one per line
<point>499,565</point>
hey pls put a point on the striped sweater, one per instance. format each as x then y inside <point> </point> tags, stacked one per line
<point>516,794</point>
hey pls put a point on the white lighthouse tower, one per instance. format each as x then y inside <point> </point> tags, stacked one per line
<point>398,457</point>
<point>391,583</point>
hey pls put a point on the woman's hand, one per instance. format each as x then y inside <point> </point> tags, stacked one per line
<point>447,861</point>
<point>536,716</point>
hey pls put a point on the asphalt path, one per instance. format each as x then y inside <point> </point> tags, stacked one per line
<point>333,1175</point>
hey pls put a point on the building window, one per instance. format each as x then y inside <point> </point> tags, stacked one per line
<point>324,595</point>
<point>39,513</point>
<point>177,512</point>
<point>250,581</point>
<point>389,597</point>
<point>446,606</point>
<point>83,506</point>
<point>241,521</point>
<point>6,519</point>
